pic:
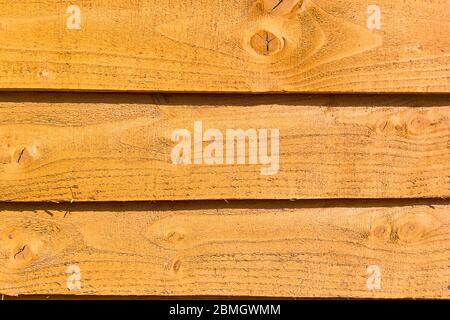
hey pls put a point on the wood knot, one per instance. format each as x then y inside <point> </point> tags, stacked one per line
<point>415,227</point>
<point>23,253</point>
<point>281,7</point>
<point>417,124</point>
<point>176,266</point>
<point>23,156</point>
<point>174,236</point>
<point>19,248</point>
<point>265,43</point>
<point>407,228</point>
<point>381,230</point>
<point>427,122</point>
<point>411,123</point>
<point>393,124</point>
<point>410,231</point>
<point>43,74</point>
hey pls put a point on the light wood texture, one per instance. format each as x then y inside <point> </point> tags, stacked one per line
<point>285,249</point>
<point>117,148</point>
<point>223,45</point>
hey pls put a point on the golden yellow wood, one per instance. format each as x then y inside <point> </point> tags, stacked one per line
<point>282,249</point>
<point>118,148</point>
<point>222,45</point>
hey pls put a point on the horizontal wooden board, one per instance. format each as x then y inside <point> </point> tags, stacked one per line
<point>278,249</point>
<point>119,148</point>
<point>223,45</point>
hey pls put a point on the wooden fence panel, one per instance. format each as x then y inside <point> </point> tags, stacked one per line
<point>284,249</point>
<point>226,46</point>
<point>138,149</point>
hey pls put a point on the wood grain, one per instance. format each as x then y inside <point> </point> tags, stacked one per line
<point>222,45</point>
<point>276,249</point>
<point>118,148</point>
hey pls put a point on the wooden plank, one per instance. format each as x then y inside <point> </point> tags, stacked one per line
<point>94,148</point>
<point>222,45</point>
<point>285,249</point>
